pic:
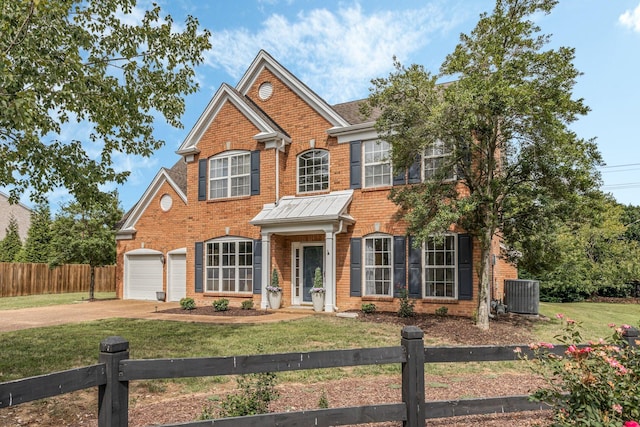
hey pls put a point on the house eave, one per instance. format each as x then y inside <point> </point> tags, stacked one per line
<point>125,234</point>
<point>360,131</point>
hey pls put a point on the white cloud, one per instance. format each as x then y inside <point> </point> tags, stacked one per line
<point>631,19</point>
<point>335,53</point>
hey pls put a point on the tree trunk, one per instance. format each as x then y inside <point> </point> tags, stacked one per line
<point>92,284</point>
<point>484,295</point>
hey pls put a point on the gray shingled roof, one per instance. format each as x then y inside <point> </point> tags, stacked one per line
<point>178,174</point>
<point>350,111</point>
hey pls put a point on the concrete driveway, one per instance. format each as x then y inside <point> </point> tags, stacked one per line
<point>13,320</point>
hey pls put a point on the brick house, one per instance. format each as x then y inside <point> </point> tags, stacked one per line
<point>273,177</point>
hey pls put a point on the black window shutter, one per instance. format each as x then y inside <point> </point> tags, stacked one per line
<point>356,164</point>
<point>257,267</point>
<point>414,171</point>
<point>202,179</point>
<point>199,259</point>
<point>415,270</point>
<point>255,172</point>
<point>399,265</point>
<point>465,263</point>
<point>356,267</point>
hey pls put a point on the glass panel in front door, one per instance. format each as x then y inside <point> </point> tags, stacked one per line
<point>312,258</point>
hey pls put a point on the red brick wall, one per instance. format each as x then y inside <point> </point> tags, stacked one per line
<point>153,232</point>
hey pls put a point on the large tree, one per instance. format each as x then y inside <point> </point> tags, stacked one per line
<point>84,233</point>
<point>501,160</point>
<point>74,61</point>
<point>592,257</point>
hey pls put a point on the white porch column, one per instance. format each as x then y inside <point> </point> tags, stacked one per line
<point>330,272</point>
<point>266,268</point>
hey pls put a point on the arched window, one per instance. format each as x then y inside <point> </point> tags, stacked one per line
<point>313,171</point>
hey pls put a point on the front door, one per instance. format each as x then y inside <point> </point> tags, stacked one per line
<point>312,258</point>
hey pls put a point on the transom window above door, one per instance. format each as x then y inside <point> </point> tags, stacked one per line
<point>313,171</point>
<point>230,175</point>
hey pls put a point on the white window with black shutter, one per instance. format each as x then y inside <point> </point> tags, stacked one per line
<point>441,267</point>
<point>378,265</point>
<point>377,164</point>
<point>230,174</point>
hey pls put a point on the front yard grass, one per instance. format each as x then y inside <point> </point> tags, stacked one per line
<point>14,303</point>
<point>38,351</point>
<point>594,318</point>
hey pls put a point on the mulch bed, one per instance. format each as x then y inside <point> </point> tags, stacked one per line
<point>208,310</point>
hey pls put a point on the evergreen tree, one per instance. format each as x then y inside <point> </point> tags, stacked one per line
<point>11,244</point>
<point>37,246</point>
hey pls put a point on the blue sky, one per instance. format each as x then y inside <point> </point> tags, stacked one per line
<point>337,47</point>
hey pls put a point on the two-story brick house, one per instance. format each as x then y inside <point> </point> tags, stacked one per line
<point>273,177</point>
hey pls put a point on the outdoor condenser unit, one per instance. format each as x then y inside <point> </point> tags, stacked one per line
<point>522,296</point>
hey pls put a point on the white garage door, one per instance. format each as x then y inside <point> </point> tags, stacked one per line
<point>177,277</point>
<point>144,277</point>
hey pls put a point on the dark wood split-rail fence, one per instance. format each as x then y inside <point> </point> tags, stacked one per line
<point>115,370</point>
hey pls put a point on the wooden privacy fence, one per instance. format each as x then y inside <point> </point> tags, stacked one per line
<point>17,279</point>
<point>115,370</point>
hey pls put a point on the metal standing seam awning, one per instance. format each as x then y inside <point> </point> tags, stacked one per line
<point>322,214</point>
<point>294,214</point>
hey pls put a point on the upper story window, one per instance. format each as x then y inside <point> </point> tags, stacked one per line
<point>230,175</point>
<point>229,266</point>
<point>377,164</point>
<point>378,259</point>
<point>434,158</point>
<point>440,266</point>
<point>313,171</point>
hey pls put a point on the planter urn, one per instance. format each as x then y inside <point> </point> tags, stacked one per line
<point>318,301</point>
<point>275,299</point>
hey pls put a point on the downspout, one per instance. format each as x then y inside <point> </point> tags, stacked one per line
<point>335,234</point>
<point>278,149</point>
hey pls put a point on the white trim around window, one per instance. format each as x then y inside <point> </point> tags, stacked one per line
<point>440,263</point>
<point>376,164</point>
<point>228,265</point>
<point>230,175</point>
<point>378,265</point>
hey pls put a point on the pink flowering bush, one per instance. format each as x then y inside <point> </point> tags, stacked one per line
<point>597,384</point>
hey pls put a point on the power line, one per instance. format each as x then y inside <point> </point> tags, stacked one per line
<point>618,166</point>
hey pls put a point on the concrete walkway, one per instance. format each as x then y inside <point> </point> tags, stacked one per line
<point>13,320</point>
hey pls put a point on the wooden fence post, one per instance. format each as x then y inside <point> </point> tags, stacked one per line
<point>413,376</point>
<point>630,335</point>
<point>113,397</point>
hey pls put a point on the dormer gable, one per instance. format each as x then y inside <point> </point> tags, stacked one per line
<point>174,177</point>
<point>265,61</point>
<point>269,131</point>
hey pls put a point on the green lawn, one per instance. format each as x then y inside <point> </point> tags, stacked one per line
<point>594,318</point>
<point>13,303</point>
<point>41,350</point>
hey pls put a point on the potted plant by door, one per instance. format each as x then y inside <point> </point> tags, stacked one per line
<point>318,291</point>
<point>274,291</point>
